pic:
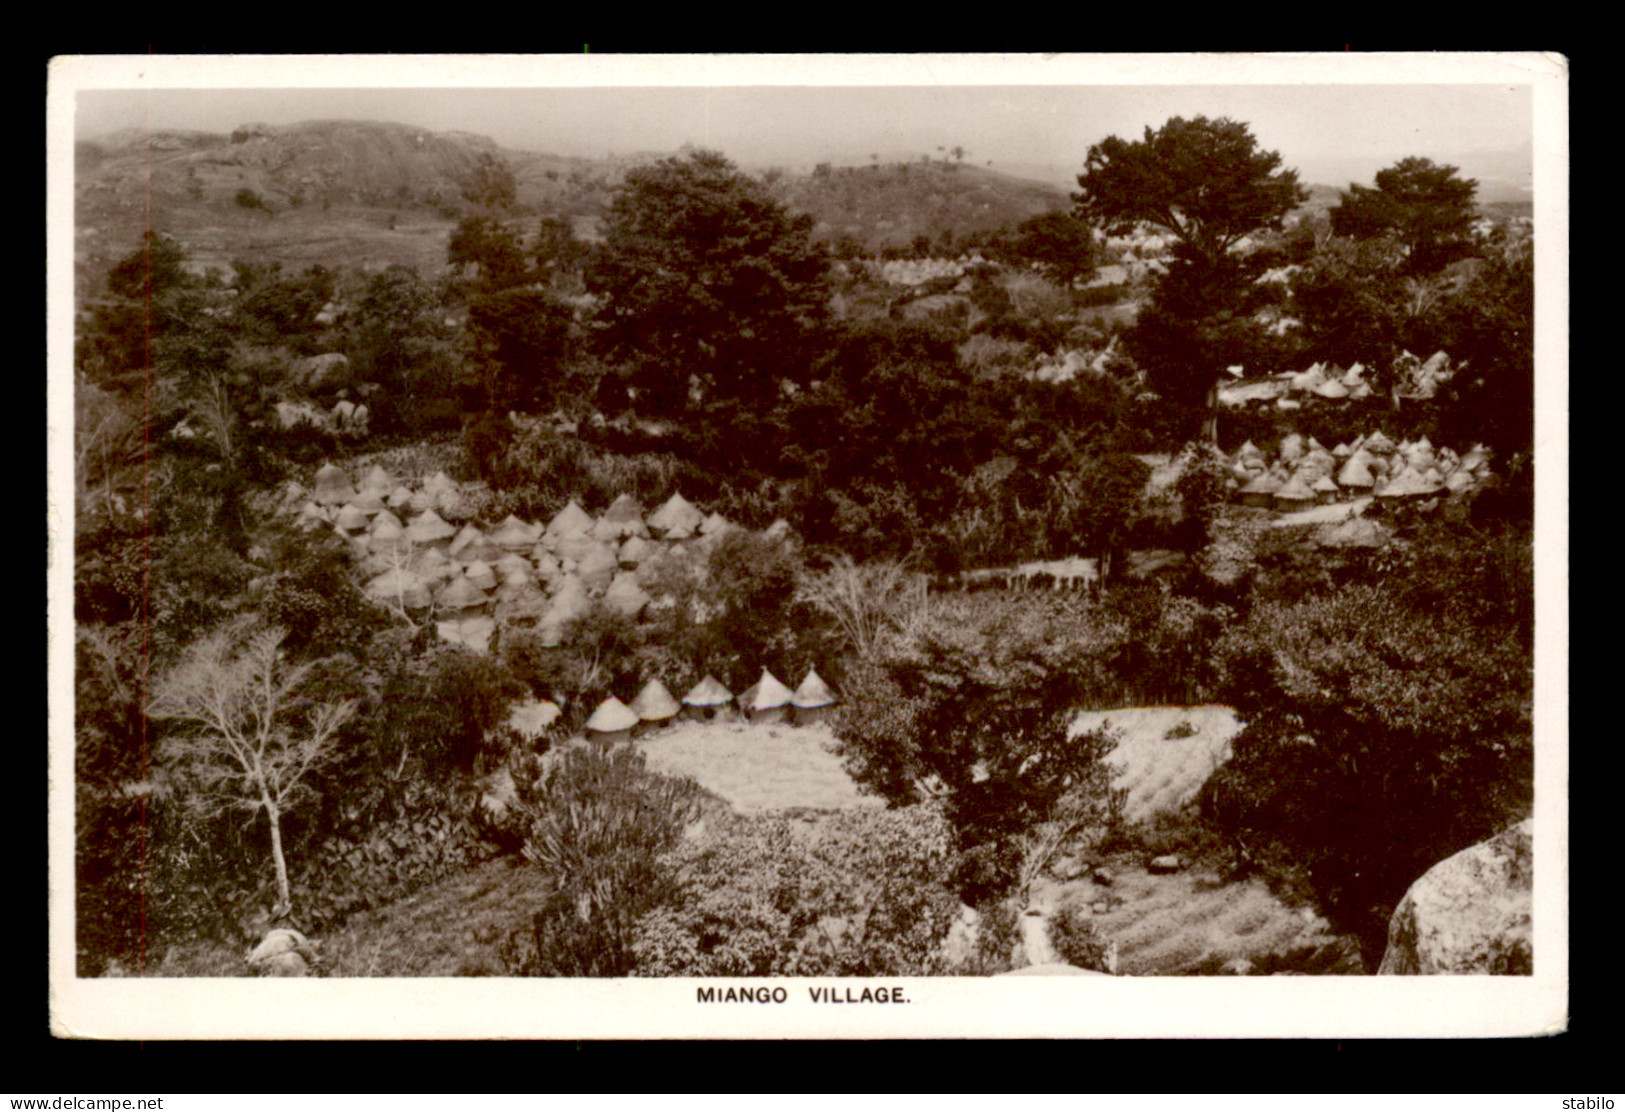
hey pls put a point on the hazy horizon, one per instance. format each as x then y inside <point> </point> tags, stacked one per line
<point>1331,133</point>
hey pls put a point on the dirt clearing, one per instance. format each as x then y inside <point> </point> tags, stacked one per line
<point>758,767</point>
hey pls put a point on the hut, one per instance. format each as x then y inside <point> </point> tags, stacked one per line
<point>654,705</point>
<point>480,574</point>
<point>531,719</point>
<point>625,597</point>
<point>623,519</point>
<point>406,588</point>
<point>398,498</point>
<point>333,487</point>
<point>676,519</point>
<point>707,700</point>
<point>368,501</point>
<point>378,481</point>
<point>514,535</point>
<point>813,700</point>
<point>767,700</point>
<point>612,722</point>
<point>350,519</point>
<point>571,519</point>
<point>1295,494</point>
<point>429,528</point>
<point>1356,471</point>
<point>1260,493</point>
<point>460,594</point>
<point>1326,490</point>
<point>597,568</point>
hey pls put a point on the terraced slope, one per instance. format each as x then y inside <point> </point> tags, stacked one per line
<point>1162,770</point>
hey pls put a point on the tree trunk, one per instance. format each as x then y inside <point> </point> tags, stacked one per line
<point>284,899</point>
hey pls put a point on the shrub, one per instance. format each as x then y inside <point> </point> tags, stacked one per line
<point>975,708</point>
<point>601,823</point>
<point>861,895</point>
<point>1072,933</point>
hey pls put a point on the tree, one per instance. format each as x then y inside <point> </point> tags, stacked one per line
<point>1418,203</point>
<point>248,734</point>
<point>1059,243</point>
<point>706,276</point>
<point>482,237</point>
<point>1204,180</point>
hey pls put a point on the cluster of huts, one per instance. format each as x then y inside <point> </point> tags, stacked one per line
<point>765,701</point>
<point>1412,377</point>
<point>1305,473</point>
<point>424,554</point>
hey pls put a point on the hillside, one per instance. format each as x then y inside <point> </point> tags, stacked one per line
<point>371,193</point>
<point>890,205</point>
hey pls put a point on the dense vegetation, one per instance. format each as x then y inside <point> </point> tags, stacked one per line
<point>709,343</point>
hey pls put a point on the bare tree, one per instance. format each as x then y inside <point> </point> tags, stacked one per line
<point>247,739</point>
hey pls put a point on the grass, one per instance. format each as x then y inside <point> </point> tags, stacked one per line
<point>1194,922</point>
<point>1163,774</point>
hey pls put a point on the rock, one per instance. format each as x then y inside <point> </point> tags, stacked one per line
<point>324,372</point>
<point>1470,913</point>
<point>283,953</point>
<point>1167,863</point>
<point>1070,868</point>
<point>1104,877</point>
<point>1101,908</point>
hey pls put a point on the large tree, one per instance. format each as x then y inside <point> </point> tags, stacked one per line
<point>1204,180</point>
<point>705,276</point>
<point>1422,205</point>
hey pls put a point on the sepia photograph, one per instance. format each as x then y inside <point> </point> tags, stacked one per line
<point>656,546</point>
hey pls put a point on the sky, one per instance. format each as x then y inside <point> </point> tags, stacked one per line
<point>1328,118</point>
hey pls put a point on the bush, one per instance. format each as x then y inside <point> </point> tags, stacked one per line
<point>861,895</point>
<point>601,823</point>
<point>1072,933</point>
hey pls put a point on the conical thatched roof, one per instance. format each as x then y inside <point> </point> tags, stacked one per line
<point>428,527</point>
<point>398,498</point>
<point>400,585</point>
<point>676,519</point>
<point>1459,480</point>
<point>708,693</point>
<point>460,594</point>
<point>1342,451</point>
<point>1409,483</point>
<point>1294,493</point>
<point>384,520</point>
<point>332,487</point>
<point>473,630</point>
<point>515,535</point>
<point>634,550</point>
<point>378,481</point>
<point>1332,389</point>
<point>454,504</point>
<point>571,519</point>
<point>654,703</point>
<point>519,598</point>
<point>813,693</point>
<point>1356,471</point>
<point>351,519</point>
<point>480,574</point>
<point>597,568</point>
<point>611,717</point>
<point>511,567</point>
<point>368,501</point>
<point>624,518</point>
<point>716,523</point>
<point>1249,449</point>
<point>466,536</point>
<point>625,597</point>
<point>1379,444</point>
<point>1325,485</point>
<point>1267,483</point>
<point>440,483</point>
<point>530,720</point>
<point>575,546</point>
<point>766,694</point>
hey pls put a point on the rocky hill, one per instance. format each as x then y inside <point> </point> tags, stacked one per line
<point>368,193</point>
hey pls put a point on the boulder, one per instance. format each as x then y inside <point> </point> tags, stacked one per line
<point>1104,877</point>
<point>324,372</point>
<point>1470,913</point>
<point>283,953</point>
<point>1167,863</point>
